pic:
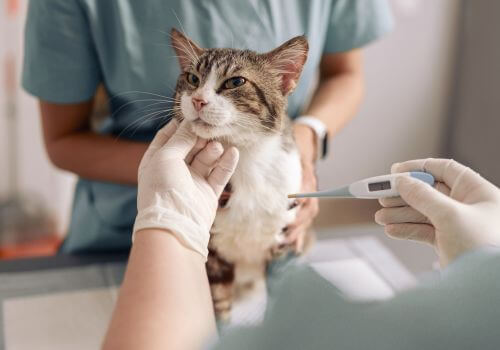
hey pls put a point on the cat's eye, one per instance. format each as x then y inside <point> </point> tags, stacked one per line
<point>234,82</point>
<point>192,79</point>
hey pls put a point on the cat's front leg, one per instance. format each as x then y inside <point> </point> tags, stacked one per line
<point>285,243</point>
<point>221,278</point>
<point>298,245</point>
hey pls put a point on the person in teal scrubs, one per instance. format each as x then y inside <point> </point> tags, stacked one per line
<point>74,46</point>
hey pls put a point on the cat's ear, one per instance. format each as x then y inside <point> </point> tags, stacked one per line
<point>288,60</point>
<point>187,51</point>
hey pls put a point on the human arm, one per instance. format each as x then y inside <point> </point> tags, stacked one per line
<point>62,69</point>
<point>165,299</point>
<point>455,311</point>
<point>352,24</point>
<point>73,146</point>
<point>337,97</point>
<point>335,102</point>
<point>461,214</point>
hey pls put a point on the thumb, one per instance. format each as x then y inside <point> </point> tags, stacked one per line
<point>159,140</point>
<point>424,198</point>
<point>180,143</point>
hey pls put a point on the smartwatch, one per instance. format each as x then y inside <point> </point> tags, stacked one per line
<point>321,132</point>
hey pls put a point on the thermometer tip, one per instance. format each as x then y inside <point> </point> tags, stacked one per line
<point>293,195</point>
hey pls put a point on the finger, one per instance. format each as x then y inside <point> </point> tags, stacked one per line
<point>444,170</point>
<point>415,232</point>
<point>391,202</point>
<point>164,134</point>
<point>296,237</point>
<point>310,204</point>
<point>161,137</point>
<point>299,243</point>
<point>425,198</point>
<point>459,178</point>
<point>314,207</point>
<point>294,232</point>
<point>181,142</point>
<point>223,171</point>
<point>207,158</point>
<point>307,211</point>
<point>442,187</point>
<point>399,215</point>
<point>200,144</point>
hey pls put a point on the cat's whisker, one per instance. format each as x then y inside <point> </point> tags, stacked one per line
<point>154,116</point>
<point>138,121</point>
<point>132,102</point>
<point>184,32</point>
<point>151,119</point>
<point>246,124</point>
<point>160,44</point>
<point>253,125</point>
<point>161,106</point>
<point>192,57</point>
<point>152,113</point>
<point>139,92</point>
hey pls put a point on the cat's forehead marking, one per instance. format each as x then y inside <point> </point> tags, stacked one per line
<point>207,61</point>
<point>225,61</point>
<point>210,82</point>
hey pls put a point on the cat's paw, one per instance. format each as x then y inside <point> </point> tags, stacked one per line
<point>298,244</point>
<point>222,295</point>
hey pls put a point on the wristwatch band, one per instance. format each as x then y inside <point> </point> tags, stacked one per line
<point>321,132</point>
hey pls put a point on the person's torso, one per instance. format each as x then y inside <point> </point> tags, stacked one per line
<point>139,71</point>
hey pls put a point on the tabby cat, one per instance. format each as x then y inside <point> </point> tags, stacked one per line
<point>239,97</point>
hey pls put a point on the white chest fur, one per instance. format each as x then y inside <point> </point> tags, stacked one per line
<point>258,208</point>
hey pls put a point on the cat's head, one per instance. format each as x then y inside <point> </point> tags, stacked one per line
<point>236,94</point>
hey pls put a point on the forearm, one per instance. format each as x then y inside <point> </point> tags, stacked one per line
<point>98,157</point>
<point>165,300</point>
<point>336,99</point>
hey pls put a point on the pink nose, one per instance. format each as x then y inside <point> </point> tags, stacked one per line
<point>198,103</point>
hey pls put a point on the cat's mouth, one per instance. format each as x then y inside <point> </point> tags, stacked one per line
<point>205,129</point>
<point>203,123</point>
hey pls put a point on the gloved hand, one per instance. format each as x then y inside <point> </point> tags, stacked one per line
<point>180,179</point>
<point>462,213</point>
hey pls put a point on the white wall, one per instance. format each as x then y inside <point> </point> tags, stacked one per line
<point>407,94</point>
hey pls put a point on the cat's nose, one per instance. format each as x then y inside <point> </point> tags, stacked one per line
<point>199,103</point>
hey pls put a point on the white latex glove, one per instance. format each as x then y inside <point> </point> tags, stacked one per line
<point>461,214</point>
<point>180,179</point>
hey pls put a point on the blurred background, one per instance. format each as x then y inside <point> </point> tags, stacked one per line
<point>430,92</point>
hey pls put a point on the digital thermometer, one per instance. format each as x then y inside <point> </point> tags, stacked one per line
<point>371,188</point>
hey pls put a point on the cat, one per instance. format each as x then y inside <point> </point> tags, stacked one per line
<point>239,97</point>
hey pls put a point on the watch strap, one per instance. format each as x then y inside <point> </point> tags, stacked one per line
<point>321,132</point>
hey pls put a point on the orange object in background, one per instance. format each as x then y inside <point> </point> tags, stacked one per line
<point>12,7</point>
<point>44,246</point>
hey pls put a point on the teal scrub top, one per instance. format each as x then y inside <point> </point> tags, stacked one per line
<point>73,45</point>
<point>460,310</point>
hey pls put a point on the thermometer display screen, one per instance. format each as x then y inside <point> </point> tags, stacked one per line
<point>379,186</point>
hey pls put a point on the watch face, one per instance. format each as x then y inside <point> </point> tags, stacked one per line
<point>324,150</point>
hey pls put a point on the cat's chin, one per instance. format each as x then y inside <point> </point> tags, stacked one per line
<point>222,134</point>
<point>207,131</point>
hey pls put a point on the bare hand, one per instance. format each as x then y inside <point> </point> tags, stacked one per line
<point>309,207</point>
